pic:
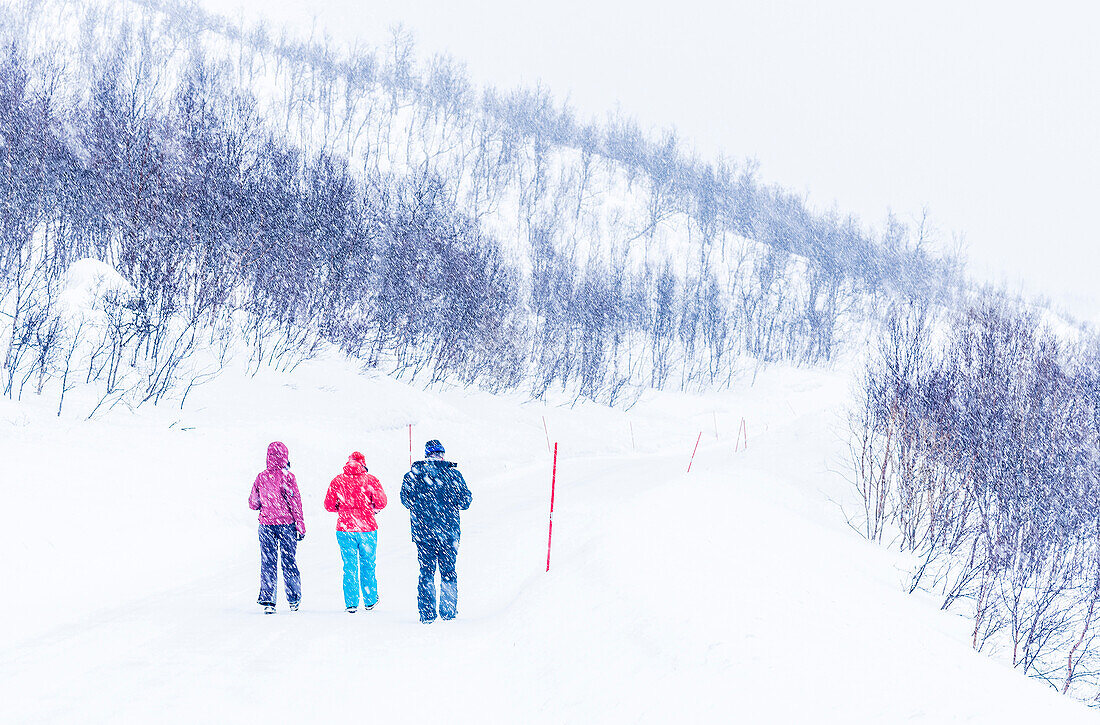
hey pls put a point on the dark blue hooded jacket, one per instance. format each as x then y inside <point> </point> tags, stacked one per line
<point>434,492</point>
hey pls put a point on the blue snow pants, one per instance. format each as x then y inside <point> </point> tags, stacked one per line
<point>358,550</point>
<point>433,552</point>
<point>276,539</point>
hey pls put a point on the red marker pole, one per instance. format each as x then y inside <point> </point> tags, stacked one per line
<point>410,445</point>
<point>695,449</point>
<point>553,485</point>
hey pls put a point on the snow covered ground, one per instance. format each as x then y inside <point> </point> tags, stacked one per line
<point>734,593</point>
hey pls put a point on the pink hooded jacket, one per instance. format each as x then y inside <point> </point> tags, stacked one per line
<point>275,491</point>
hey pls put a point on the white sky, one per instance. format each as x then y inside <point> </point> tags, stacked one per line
<point>988,113</point>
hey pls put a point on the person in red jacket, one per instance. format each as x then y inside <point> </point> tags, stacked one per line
<point>356,496</point>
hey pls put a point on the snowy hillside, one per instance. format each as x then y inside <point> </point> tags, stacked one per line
<point>306,193</point>
<point>734,593</point>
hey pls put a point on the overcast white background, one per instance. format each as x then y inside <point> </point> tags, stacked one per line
<point>986,113</point>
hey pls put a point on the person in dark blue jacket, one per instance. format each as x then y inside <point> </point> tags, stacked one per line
<point>434,492</point>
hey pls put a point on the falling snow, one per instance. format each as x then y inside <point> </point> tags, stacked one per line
<point>241,266</point>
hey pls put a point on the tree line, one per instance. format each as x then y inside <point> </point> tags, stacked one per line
<point>290,196</point>
<point>976,452</point>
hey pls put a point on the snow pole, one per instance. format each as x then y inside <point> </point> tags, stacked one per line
<point>632,446</point>
<point>547,432</point>
<point>553,485</point>
<point>715,415</point>
<point>410,445</point>
<point>742,432</point>
<point>695,449</point>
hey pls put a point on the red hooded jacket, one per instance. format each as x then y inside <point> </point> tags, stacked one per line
<point>356,496</point>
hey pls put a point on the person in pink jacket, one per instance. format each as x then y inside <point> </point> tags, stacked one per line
<point>356,496</point>
<point>282,525</point>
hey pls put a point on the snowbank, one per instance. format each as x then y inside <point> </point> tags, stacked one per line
<point>87,286</point>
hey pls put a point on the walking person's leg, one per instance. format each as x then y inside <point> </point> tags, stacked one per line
<point>349,552</point>
<point>288,547</point>
<point>368,548</point>
<point>269,559</point>
<point>425,591</point>
<point>448,580</point>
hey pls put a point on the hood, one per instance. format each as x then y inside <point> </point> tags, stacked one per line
<point>277,456</point>
<point>356,465</point>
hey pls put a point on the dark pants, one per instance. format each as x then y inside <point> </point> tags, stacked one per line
<point>432,553</point>
<point>276,539</point>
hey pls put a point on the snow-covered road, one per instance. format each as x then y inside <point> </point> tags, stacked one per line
<point>733,594</point>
